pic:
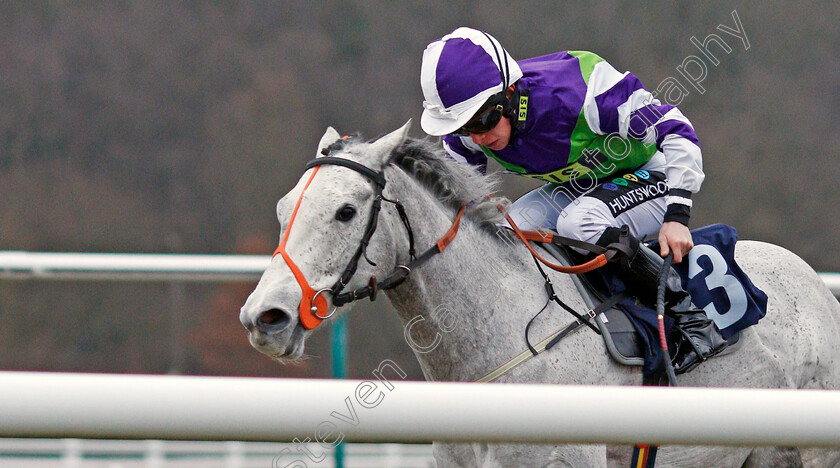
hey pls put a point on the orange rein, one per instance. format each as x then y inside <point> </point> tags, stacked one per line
<point>536,236</point>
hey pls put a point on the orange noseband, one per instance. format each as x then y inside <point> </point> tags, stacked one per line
<point>313,306</point>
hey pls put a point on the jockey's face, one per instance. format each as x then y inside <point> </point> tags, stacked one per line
<point>495,139</point>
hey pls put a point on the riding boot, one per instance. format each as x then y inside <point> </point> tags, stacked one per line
<point>698,338</point>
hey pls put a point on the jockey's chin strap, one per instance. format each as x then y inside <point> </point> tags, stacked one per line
<point>313,305</point>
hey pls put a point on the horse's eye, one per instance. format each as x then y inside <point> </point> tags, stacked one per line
<point>345,213</point>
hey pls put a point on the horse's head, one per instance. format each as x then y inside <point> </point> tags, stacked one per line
<point>324,220</point>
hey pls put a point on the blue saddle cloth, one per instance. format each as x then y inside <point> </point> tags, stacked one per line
<point>716,284</point>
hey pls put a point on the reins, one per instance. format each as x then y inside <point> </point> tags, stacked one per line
<point>312,302</point>
<point>313,306</point>
<point>604,255</point>
<point>401,271</point>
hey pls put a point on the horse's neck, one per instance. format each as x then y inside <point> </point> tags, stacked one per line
<point>465,310</point>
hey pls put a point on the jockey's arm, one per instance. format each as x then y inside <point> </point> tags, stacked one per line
<point>620,104</point>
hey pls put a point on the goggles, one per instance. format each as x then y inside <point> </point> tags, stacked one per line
<point>486,119</point>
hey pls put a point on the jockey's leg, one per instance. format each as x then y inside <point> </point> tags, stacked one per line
<point>540,208</point>
<point>597,218</point>
<point>698,336</point>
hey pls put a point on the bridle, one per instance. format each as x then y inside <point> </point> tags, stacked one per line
<point>313,308</point>
<point>313,305</point>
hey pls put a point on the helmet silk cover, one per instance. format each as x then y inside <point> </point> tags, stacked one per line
<point>459,73</point>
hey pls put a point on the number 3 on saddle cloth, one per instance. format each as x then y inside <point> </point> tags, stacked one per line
<point>716,284</point>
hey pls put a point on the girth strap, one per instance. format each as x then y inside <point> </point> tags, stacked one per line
<point>602,307</point>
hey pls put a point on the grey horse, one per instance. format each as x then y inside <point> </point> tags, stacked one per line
<point>466,308</point>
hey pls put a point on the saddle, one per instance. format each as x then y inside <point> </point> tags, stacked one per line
<point>629,340</point>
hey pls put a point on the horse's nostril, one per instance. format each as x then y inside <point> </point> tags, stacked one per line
<point>270,316</point>
<point>274,320</point>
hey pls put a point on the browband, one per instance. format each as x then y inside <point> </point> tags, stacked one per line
<point>376,177</point>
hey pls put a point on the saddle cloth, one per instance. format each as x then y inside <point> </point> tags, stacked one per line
<point>711,276</point>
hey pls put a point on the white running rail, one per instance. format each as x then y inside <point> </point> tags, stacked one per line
<point>160,267</point>
<point>132,267</point>
<point>62,405</point>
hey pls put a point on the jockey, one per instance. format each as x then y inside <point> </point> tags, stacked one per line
<point>618,164</point>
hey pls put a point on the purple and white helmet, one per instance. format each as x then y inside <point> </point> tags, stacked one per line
<point>459,73</point>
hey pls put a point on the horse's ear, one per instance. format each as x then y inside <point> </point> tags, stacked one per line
<point>330,137</point>
<point>385,145</point>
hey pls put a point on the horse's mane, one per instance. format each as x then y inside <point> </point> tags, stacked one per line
<point>453,183</point>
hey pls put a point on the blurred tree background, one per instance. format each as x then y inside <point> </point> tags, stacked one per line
<point>176,126</point>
